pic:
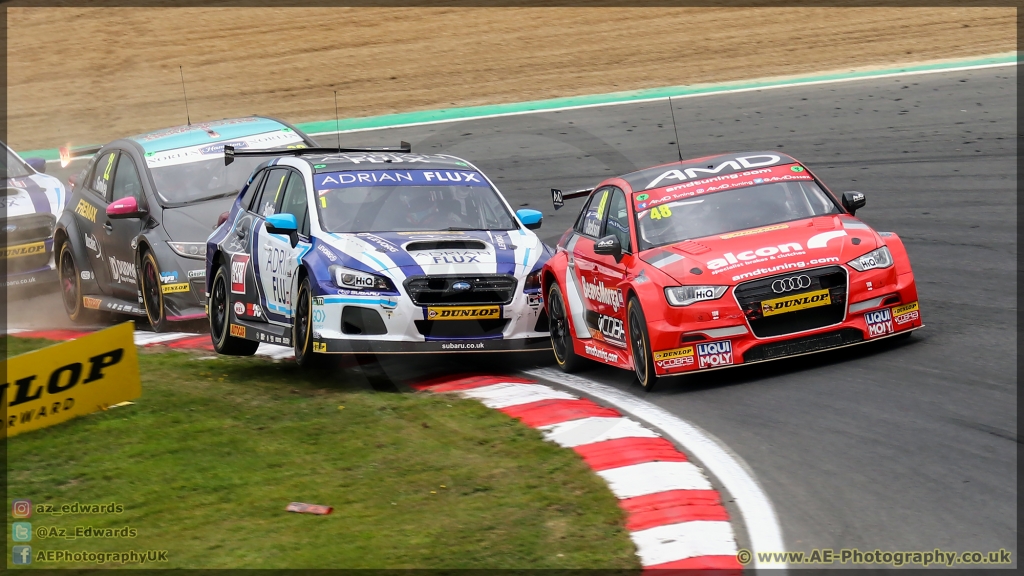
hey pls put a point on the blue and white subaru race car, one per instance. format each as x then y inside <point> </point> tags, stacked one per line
<point>374,251</point>
<point>32,202</point>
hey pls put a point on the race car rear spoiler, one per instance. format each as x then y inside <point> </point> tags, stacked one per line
<point>230,153</point>
<point>558,198</point>
<point>66,154</point>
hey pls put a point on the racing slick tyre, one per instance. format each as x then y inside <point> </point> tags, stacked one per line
<point>71,286</point>
<point>561,334</point>
<point>302,329</point>
<point>152,295</point>
<point>639,343</point>
<point>220,319</point>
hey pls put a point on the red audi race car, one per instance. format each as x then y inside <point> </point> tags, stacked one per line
<point>721,261</point>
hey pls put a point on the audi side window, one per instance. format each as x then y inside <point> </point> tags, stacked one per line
<point>590,222</point>
<point>618,218</point>
<point>270,194</point>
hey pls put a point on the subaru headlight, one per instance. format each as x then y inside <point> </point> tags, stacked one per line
<point>880,258</point>
<point>532,282</point>
<point>686,295</point>
<point>193,250</point>
<point>356,280</point>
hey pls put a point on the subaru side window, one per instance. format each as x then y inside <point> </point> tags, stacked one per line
<point>270,195</point>
<point>618,218</point>
<point>250,191</point>
<point>126,180</point>
<point>102,174</point>
<point>590,223</point>
<point>295,202</point>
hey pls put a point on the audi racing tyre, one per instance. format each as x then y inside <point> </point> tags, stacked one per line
<point>71,286</point>
<point>152,295</point>
<point>220,320</point>
<point>302,329</point>
<point>561,332</point>
<point>640,345</point>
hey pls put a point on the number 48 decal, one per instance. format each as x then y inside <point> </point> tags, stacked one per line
<point>659,212</point>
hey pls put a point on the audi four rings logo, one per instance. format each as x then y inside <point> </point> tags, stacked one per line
<point>792,283</point>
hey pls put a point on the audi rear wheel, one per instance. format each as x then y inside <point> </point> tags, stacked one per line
<point>560,331</point>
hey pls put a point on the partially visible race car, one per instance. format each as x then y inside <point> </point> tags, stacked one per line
<point>32,201</point>
<point>132,239</point>
<point>721,261</point>
<point>374,250</point>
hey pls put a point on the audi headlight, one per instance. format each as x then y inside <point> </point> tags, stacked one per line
<point>193,250</point>
<point>686,295</point>
<point>880,258</point>
<point>356,280</point>
<point>532,281</point>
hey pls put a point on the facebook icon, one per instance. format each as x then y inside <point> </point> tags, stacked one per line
<point>21,554</point>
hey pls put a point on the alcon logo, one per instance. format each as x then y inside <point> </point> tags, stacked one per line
<point>598,293</point>
<point>816,241</point>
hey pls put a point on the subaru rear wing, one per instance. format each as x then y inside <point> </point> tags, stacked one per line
<point>230,153</point>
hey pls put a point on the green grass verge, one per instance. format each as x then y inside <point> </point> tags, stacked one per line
<point>207,459</point>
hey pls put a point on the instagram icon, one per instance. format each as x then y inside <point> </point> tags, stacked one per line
<point>21,509</point>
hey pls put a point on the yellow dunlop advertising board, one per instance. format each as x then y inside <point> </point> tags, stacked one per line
<point>70,379</point>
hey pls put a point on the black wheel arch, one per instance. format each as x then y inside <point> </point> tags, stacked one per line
<point>69,232</point>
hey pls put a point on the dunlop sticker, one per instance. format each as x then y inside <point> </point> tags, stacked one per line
<point>463,313</point>
<point>69,379</point>
<point>25,250</point>
<point>900,310</point>
<point>796,302</point>
<point>168,288</point>
<point>666,354</point>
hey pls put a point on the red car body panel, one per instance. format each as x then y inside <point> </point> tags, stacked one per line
<point>724,332</point>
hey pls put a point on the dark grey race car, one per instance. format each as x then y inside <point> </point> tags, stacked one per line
<point>131,238</point>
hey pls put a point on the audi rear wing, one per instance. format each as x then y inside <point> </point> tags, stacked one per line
<point>558,198</point>
<point>230,153</point>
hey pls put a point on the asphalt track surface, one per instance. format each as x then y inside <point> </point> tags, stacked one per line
<point>905,446</point>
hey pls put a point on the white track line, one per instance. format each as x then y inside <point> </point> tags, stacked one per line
<point>147,338</point>
<point>758,514</point>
